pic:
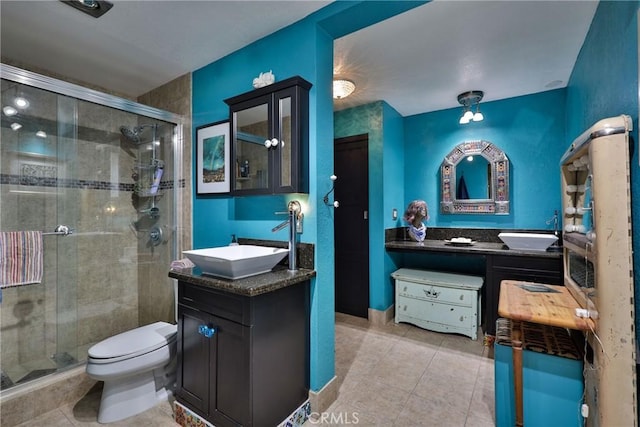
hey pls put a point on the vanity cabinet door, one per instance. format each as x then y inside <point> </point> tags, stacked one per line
<point>194,351</point>
<point>231,397</point>
<point>269,134</point>
<point>213,366</point>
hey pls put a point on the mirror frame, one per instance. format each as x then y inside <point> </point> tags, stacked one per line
<point>499,204</point>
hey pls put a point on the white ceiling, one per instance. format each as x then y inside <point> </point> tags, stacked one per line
<point>421,60</point>
<point>418,61</point>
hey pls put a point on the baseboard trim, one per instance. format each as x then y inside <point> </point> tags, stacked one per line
<point>381,317</point>
<point>321,400</point>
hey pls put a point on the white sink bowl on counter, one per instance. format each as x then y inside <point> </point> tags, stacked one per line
<point>236,262</point>
<point>528,241</point>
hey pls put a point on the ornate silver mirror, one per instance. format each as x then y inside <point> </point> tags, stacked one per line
<point>474,179</point>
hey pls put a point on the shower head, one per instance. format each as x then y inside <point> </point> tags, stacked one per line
<point>133,134</point>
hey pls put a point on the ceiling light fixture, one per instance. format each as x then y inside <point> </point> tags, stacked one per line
<point>468,99</point>
<point>9,111</point>
<point>41,134</point>
<point>15,126</point>
<point>21,102</point>
<point>95,8</point>
<point>343,88</point>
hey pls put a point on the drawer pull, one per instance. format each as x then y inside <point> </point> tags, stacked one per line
<point>207,331</point>
<point>431,293</point>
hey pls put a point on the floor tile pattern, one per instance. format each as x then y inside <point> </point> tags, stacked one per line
<point>402,375</point>
<point>394,375</point>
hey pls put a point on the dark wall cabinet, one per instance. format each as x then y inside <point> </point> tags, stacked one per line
<point>526,268</point>
<point>270,139</point>
<point>243,361</point>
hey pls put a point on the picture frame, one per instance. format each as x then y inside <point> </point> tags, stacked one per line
<point>213,163</point>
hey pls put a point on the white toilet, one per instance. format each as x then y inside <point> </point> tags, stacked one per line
<point>138,367</point>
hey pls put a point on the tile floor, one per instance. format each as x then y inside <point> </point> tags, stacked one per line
<point>395,375</point>
<point>85,413</point>
<point>402,375</point>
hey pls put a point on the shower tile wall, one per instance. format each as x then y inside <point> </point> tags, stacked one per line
<point>156,297</point>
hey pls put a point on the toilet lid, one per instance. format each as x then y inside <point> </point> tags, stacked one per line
<point>140,340</point>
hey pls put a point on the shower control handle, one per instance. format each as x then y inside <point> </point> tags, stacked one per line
<point>206,331</point>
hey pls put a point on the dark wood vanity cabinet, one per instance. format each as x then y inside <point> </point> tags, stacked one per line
<point>243,361</point>
<point>270,139</point>
<point>209,361</point>
<point>541,269</point>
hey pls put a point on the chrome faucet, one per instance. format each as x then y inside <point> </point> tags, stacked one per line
<point>294,221</point>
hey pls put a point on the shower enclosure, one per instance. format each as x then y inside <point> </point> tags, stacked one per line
<point>108,169</point>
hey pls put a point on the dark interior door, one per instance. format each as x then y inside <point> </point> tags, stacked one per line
<point>352,225</point>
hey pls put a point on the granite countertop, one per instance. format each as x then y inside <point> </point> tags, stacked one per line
<point>280,277</point>
<point>478,248</point>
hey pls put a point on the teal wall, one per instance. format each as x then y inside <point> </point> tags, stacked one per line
<point>305,49</point>
<point>215,218</point>
<point>406,153</point>
<point>529,129</point>
<point>393,190</point>
<point>604,83</point>
<point>405,156</point>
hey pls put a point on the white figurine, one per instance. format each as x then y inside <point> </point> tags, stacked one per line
<point>264,79</point>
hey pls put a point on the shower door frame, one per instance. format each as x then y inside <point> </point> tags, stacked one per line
<point>59,87</point>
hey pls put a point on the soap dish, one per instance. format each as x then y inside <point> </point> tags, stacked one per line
<point>460,241</point>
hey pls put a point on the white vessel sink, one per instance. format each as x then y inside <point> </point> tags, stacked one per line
<point>528,241</point>
<point>236,262</point>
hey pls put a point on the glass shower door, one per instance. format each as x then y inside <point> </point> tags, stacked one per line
<point>36,320</point>
<point>88,161</point>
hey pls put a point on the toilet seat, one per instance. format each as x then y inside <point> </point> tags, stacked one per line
<point>127,345</point>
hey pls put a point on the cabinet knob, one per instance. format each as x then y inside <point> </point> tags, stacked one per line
<point>207,331</point>
<point>272,143</point>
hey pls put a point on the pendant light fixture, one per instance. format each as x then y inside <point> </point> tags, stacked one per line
<point>467,100</point>
<point>95,8</point>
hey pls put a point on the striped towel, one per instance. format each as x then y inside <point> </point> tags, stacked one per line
<point>21,258</point>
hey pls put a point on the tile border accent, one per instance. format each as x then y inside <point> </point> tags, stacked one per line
<point>185,417</point>
<point>9,179</point>
<point>299,416</point>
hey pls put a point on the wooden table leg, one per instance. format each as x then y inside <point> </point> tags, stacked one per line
<point>516,340</point>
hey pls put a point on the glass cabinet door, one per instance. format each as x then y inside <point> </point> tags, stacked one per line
<point>252,129</point>
<point>270,138</point>
<point>285,148</point>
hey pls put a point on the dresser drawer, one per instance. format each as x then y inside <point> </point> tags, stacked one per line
<point>462,297</point>
<point>434,312</point>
